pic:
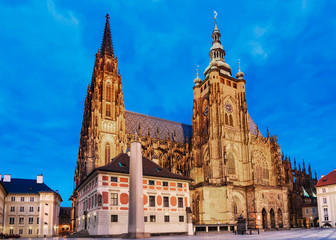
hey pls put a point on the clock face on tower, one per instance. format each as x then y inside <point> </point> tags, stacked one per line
<point>228,107</point>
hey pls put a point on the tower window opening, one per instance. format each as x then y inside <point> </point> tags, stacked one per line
<point>108,92</point>
<point>108,67</point>
<point>108,110</point>
<point>231,120</point>
<point>234,85</point>
<point>226,119</point>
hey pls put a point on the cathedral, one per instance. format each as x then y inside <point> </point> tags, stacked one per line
<point>235,169</point>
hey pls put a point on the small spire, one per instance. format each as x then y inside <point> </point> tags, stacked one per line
<point>197,80</point>
<point>268,135</point>
<point>239,74</point>
<point>106,47</point>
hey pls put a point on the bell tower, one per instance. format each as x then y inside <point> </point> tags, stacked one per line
<point>103,134</point>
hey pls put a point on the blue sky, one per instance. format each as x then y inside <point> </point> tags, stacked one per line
<point>287,51</point>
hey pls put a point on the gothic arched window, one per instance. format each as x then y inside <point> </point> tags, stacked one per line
<point>108,110</point>
<point>108,92</point>
<point>107,153</point>
<point>108,67</point>
<point>226,119</point>
<point>230,120</point>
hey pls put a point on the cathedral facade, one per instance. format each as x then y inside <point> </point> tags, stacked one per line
<point>235,170</point>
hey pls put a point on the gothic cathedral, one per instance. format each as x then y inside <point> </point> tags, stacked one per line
<point>235,170</point>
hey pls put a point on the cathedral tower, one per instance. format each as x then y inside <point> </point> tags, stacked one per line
<point>103,133</point>
<point>233,163</point>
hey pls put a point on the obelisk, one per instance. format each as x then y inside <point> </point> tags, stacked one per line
<point>136,225</point>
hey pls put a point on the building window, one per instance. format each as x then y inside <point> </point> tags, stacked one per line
<point>31,209</point>
<point>11,231</point>
<point>150,182</point>
<point>22,199</point>
<point>152,218</point>
<point>235,209</point>
<point>30,231</point>
<point>108,110</point>
<point>13,199</point>
<point>114,179</point>
<point>114,199</point>
<point>307,210</point>
<point>108,92</point>
<point>20,231</point>
<point>314,210</point>
<point>166,218</point>
<point>230,120</point>
<point>324,200</point>
<point>32,199</point>
<point>165,184</point>
<point>145,219</point>
<point>180,202</point>
<point>107,153</point>
<point>179,185</point>
<point>114,218</point>
<point>38,209</point>
<point>181,218</point>
<point>11,220</point>
<point>12,209</point>
<point>165,201</point>
<point>30,220</point>
<point>21,209</point>
<point>37,220</point>
<point>323,190</point>
<point>325,210</point>
<point>21,220</point>
<point>152,201</point>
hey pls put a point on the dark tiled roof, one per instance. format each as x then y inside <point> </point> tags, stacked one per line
<point>17,185</point>
<point>181,130</point>
<point>253,127</point>
<point>120,164</point>
<point>328,179</point>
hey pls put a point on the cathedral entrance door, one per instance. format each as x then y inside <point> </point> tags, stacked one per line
<point>272,214</point>
<point>264,218</point>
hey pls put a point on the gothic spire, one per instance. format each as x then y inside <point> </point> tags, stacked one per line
<point>107,47</point>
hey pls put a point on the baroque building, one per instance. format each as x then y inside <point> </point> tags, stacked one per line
<point>236,170</point>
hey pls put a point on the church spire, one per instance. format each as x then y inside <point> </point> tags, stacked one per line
<point>107,47</point>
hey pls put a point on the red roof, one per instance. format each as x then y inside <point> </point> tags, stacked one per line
<point>328,179</point>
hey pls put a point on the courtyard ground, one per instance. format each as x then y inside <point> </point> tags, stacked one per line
<point>274,235</point>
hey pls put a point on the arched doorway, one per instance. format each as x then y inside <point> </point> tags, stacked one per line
<point>280,223</point>
<point>264,218</point>
<point>272,215</point>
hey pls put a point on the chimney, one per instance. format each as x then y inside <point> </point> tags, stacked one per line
<point>39,178</point>
<point>322,176</point>
<point>7,178</point>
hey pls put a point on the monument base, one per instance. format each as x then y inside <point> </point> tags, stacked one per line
<point>137,235</point>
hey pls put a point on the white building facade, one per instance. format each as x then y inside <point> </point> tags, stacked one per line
<point>31,208</point>
<point>326,199</point>
<point>104,196</point>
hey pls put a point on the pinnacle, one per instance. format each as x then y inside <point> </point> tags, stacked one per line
<point>107,47</point>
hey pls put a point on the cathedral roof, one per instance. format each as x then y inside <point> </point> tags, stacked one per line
<point>29,186</point>
<point>328,179</point>
<point>253,127</point>
<point>120,164</point>
<point>153,124</point>
<point>182,131</point>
